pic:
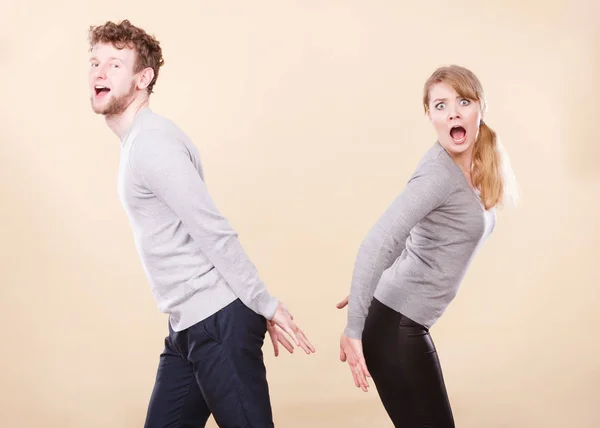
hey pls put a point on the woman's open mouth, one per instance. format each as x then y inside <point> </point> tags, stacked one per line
<point>458,134</point>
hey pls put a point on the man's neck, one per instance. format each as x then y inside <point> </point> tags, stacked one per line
<point>120,123</point>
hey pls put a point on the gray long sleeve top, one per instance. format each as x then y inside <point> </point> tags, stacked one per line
<point>190,253</point>
<point>416,255</point>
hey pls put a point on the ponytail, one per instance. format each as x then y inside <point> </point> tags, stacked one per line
<point>491,171</point>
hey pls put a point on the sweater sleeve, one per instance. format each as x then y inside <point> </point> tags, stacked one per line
<point>428,188</point>
<point>165,167</point>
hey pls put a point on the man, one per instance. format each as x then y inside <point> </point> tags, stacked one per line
<point>219,309</point>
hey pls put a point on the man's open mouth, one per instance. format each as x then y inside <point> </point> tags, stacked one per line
<point>101,89</point>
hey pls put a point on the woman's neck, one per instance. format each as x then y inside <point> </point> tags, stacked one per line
<point>465,163</point>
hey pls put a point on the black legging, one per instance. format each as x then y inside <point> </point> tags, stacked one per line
<point>403,362</point>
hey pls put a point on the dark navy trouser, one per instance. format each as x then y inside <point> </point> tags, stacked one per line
<point>214,367</point>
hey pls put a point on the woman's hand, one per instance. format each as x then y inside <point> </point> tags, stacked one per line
<point>351,350</point>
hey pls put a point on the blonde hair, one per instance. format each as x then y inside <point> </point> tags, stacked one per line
<point>491,172</point>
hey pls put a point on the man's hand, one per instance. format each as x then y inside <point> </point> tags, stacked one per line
<point>282,322</point>
<point>277,337</point>
<point>351,350</point>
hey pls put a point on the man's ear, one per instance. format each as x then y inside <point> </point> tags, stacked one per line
<point>145,77</point>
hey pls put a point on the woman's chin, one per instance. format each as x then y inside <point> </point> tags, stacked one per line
<point>457,146</point>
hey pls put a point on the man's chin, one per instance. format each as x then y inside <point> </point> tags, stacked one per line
<point>106,110</point>
<point>98,109</point>
<point>112,106</point>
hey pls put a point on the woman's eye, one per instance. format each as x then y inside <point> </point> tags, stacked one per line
<point>440,106</point>
<point>465,102</point>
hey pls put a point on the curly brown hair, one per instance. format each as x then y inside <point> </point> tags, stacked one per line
<point>125,34</point>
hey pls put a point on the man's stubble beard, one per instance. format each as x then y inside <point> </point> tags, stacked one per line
<point>117,105</point>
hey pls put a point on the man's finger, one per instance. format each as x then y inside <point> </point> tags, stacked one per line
<point>273,335</point>
<point>304,343</point>
<point>291,333</point>
<point>286,343</point>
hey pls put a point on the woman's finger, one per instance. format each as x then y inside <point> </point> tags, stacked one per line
<point>363,365</point>
<point>361,378</point>
<point>342,304</point>
<point>356,382</point>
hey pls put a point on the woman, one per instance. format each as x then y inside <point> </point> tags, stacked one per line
<point>411,264</point>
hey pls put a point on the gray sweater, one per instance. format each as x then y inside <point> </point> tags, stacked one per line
<point>415,257</point>
<point>190,253</point>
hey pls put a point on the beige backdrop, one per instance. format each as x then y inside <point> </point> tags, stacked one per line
<point>308,118</point>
